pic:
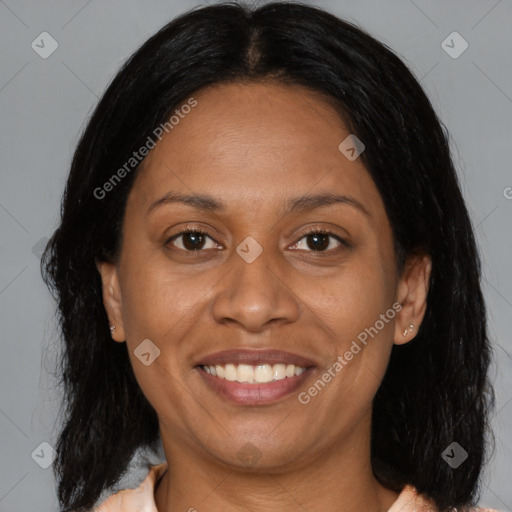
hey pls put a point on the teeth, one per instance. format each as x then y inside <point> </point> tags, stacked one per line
<point>245,373</point>
<point>263,373</point>
<point>230,372</point>
<point>290,370</point>
<point>254,374</point>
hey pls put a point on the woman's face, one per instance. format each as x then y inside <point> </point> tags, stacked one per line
<point>266,159</point>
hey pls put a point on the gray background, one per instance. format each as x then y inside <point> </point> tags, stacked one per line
<point>44,104</point>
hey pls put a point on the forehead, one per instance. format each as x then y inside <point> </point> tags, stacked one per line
<point>256,142</point>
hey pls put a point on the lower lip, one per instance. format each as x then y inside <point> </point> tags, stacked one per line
<point>254,394</point>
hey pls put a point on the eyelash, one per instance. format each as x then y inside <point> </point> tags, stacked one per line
<point>312,231</point>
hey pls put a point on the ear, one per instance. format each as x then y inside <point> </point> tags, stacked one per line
<point>112,298</point>
<point>412,295</point>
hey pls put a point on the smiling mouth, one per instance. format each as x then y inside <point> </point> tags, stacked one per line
<point>254,377</point>
<point>254,385</point>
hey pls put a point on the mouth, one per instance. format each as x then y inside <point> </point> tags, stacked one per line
<point>252,377</point>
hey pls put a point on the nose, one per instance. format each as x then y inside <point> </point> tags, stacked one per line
<point>254,295</point>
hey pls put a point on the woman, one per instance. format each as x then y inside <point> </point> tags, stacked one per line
<point>265,261</point>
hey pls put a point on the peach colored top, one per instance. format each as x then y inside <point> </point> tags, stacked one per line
<point>142,498</point>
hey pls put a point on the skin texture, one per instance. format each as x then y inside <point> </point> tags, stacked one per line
<point>253,147</point>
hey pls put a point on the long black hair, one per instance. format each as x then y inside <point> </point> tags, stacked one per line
<point>436,390</point>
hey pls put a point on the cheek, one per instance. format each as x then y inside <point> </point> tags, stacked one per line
<point>355,298</point>
<point>156,300</point>
<point>161,307</point>
<point>356,308</point>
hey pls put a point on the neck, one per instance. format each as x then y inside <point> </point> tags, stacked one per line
<point>339,478</point>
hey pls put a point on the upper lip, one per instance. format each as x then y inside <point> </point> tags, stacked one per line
<point>254,357</point>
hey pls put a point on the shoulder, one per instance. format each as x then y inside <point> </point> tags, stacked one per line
<point>410,500</point>
<point>140,499</point>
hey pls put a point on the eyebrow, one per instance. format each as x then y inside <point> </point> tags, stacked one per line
<point>296,205</point>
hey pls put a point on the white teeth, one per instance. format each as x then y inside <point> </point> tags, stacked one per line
<point>260,373</point>
<point>245,373</point>
<point>290,370</point>
<point>230,372</point>
<point>279,371</point>
<point>263,373</point>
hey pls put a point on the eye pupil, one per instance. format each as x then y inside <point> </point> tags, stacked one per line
<point>197,239</point>
<point>321,241</point>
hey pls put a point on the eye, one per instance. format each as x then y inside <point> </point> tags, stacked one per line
<point>318,240</point>
<point>192,240</point>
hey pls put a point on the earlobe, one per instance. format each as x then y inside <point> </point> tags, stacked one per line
<point>412,295</point>
<point>112,298</point>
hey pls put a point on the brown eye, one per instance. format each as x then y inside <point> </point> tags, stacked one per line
<point>320,241</point>
<point>192,240</point>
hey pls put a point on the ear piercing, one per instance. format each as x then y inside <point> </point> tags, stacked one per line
<point>405,332</point>
<point>112,327</point>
